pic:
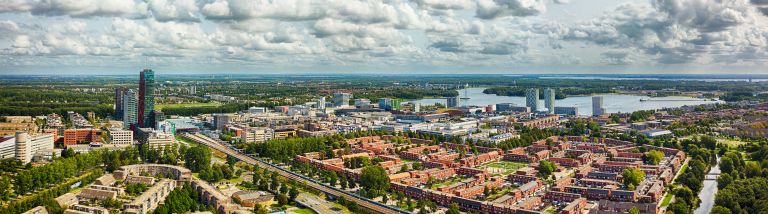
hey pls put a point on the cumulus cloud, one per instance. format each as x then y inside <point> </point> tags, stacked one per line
<point>174,10</point>
<point>674,31</point>
<point>491,9</point>
<point>382,32</point>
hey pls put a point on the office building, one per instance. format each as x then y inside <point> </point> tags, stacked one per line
<point>76,136</point>
<point>119,136</point>
<point>119,94</point>
<point>7,147</point>
<point>220,120</point>
<point>157,117</point>
<point>385,103</point>
<point>130,109</point>
<point>321,103</point>
<point>14,124</point>
<point>341,99</point>
<point>511,107</point>
<point>256,134</point>
<point>146,98</point>
<point>532,99</point>
<point>193,89</point>
<point>549,100</point>
<point>566,110</point>
<point>360,102</point>
<point>27,145</point>
<point>597,106</point>
<point>452,102</point>
<point>416,107</point>
<point>257,110</point>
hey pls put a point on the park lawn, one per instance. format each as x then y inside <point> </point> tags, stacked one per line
<point>508,166</point>
<point>303,211</point>
<point>186,105</point>
<point>500,193</point>
<point>447,182</point>
<point>667,199</point>
<point>731,143</point>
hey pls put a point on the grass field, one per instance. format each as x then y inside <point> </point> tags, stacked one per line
<point>667,199</point>
<point>447,182</point>
<point>186,105</point>
<point>302,211</point>
<point>506,166</point>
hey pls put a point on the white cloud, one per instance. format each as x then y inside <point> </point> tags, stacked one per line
<point>383,33</point>
<point>491,9</point>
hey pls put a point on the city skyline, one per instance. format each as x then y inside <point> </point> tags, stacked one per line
<point>420,36</point>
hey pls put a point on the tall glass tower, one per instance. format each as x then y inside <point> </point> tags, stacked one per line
<point>146,98</point>
<point>549,100</point>
<point>532,99</point>
<point>130,109</point>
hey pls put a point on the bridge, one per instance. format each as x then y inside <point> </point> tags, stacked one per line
<point>711,176</point>
<point>328,190</point>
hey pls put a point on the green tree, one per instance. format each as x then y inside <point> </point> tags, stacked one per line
<point>654,157</point>
<point>634,210</point>
<point>197,158</point>
<point>453,209</point>
<point>374,180</point>
<point>632,177</point>
<point>546,168</point>
<point>720,210</point>
<point>293,193</point>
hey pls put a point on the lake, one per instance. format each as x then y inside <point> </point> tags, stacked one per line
<point>613,103</point>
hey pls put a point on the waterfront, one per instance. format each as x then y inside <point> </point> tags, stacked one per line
<point>708,192</point>
<point>612,102</point>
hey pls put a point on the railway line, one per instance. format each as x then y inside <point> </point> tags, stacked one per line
<point>365,202</point>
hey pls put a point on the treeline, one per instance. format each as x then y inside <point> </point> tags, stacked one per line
<point>46,197</point>
<point>743,96</point>
<point>29,180</point>
<point>700,150</point>
<point>32,109</point>
<point>285,150</point>
<point>182,200</point>
<point>742,182</point>
<point>406,93</point>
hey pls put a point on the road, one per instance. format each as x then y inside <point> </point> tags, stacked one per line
<point>317,204</point>
<point>367,203</point>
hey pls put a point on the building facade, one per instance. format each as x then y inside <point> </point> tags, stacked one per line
<point>341,99</point>
<point>146,98</point>
<point>75,136</point>
<point>549,100</point>
<point>119,94</point>
<point>452,102</point>
<point>130,109</point>
<point>27,145</point>
<point>532,99</point>
<point>119,136</point>
<point>597,106</point>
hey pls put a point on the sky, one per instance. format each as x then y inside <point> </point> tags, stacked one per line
<point>385,36</point>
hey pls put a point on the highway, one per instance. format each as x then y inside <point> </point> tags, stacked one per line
<point>367,203</point>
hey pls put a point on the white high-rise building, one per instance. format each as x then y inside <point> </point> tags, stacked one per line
<point>452,102</point>
<point>27,145</point>
<point>549,100</point>
<point>7,147</point>
<point>130,108</point>
<point>532,99</point>
<point>321,103</point>
<point>119,136</point>
<point>416,107</point>
<point>341,99</point>
<point>597,106</point>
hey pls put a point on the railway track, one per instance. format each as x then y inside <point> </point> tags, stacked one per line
<point>365,202</point>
